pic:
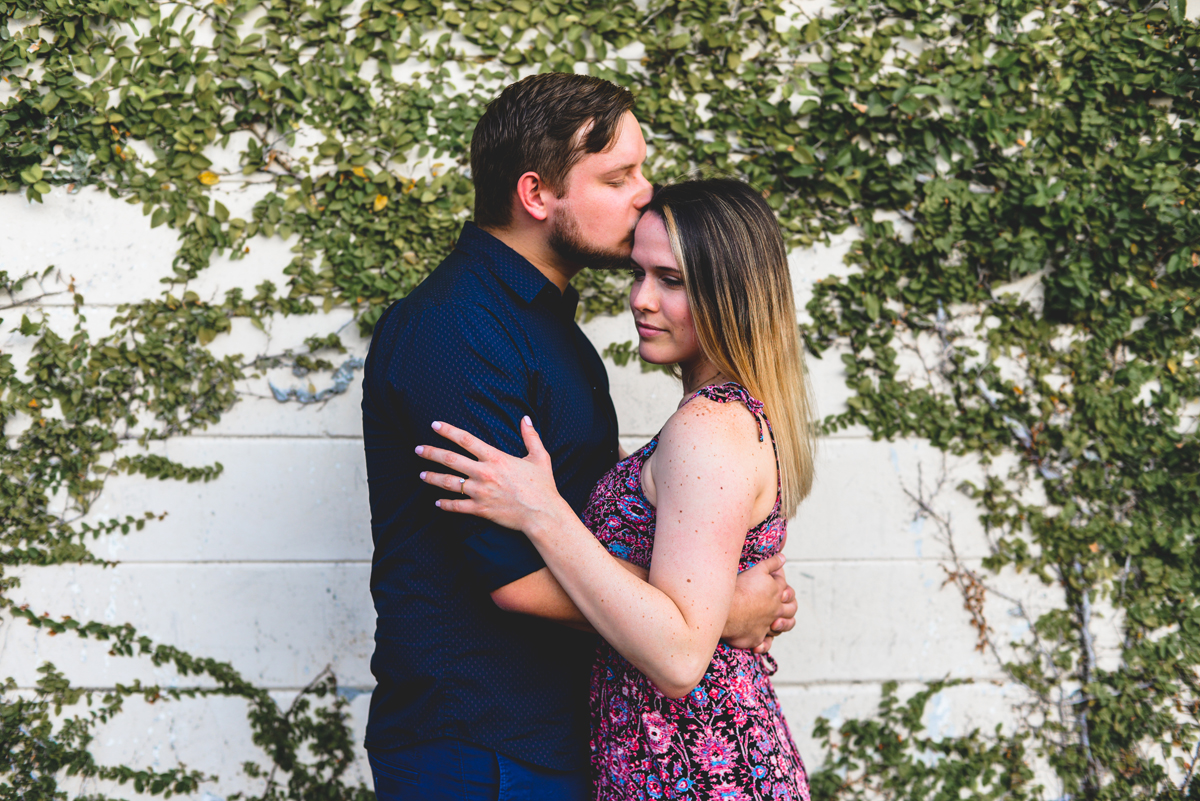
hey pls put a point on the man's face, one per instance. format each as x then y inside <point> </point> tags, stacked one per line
<point>594,220</point>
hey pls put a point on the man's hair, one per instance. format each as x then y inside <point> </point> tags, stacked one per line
<point>532,127</point>
<point>734,266</point>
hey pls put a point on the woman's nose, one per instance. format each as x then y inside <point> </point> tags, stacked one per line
<point>642,296</point>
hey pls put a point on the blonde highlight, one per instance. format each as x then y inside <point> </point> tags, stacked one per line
<point>733,263</point>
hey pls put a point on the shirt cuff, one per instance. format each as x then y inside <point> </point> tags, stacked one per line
<point>500,556</point>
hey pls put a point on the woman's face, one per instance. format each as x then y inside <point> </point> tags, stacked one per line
<point>658,300</point>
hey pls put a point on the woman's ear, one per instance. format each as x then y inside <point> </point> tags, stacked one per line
<point>532,196</point>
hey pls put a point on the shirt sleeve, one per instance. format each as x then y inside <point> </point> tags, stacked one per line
<point>467,370</point>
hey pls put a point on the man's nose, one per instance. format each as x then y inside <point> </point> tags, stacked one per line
<point>644,195</point>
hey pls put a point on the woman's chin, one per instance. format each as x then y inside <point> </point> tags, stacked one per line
<point>649,355</point>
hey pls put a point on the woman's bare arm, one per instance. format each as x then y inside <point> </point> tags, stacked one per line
<point>706,486</point>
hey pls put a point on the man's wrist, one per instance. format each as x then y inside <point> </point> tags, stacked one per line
<point>736,619</point>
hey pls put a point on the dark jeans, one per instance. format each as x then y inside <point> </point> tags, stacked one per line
<point>451,770</point>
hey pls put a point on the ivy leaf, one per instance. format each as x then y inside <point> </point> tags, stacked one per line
<point>871,304</point>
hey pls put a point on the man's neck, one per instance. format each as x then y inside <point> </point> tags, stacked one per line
<point>534,247</point>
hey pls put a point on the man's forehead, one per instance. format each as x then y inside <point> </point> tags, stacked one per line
<point>626,151</point>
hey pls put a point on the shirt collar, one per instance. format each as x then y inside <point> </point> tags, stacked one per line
<point>515,271</point>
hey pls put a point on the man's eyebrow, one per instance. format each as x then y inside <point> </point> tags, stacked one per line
<point>622,168</point>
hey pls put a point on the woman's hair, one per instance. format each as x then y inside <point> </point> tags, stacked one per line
<point>734,267</point>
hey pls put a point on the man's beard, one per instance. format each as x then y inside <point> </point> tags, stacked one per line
<point>567,242</point>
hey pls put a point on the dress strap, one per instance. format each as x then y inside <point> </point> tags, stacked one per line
<point>733,391</point>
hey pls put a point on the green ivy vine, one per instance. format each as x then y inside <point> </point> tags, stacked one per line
<point>972,143</point>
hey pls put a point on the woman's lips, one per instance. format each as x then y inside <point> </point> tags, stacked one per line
<point>647,330</point>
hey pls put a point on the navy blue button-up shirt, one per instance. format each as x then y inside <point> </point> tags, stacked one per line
<point>483,341</point>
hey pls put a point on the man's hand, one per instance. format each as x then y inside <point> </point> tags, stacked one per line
<point>764,606</point>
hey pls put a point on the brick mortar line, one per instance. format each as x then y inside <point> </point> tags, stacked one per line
<point>848,683</point>
<point>218,436</point>
<point>792,562</point>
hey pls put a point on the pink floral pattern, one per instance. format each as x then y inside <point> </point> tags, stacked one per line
<point>725,741</point>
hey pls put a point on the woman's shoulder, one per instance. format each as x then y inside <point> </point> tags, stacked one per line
<point>716,417</point>
<point>705,433</point>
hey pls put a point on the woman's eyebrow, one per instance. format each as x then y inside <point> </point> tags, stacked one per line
<point>665,268</point>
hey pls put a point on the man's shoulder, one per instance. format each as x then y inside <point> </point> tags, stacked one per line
<point>459,285</point>
<point>460,279</point>
<point>454,314</point>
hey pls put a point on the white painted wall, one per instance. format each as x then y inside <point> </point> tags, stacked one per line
<point>267,566</point>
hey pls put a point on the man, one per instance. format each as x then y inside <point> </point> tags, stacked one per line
<point>482,660</point>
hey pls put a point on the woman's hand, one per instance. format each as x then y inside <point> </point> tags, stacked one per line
<point>515,493</point>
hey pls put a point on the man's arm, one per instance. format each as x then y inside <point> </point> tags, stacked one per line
<point>762,602</point>
<point>539,594</point>
<point>463,366</point>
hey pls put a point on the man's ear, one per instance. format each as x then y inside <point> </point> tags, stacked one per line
<point>532,196</point>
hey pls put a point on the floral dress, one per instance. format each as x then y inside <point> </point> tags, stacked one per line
<point>727,739</point>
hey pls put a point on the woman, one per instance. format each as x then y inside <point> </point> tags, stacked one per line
<point>675,712</point>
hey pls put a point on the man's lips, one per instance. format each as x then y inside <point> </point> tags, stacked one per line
<point>647,330</point>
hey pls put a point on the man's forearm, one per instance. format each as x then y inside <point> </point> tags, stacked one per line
<point>757,599</point>
<point>539,594</point>
<point>762,604</point>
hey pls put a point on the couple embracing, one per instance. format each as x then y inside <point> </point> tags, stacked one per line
<point>493,574</point>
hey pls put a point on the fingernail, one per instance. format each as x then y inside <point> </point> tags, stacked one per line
<point>526,420</point>
<point>423,474</point>
<point>782,558</point>
<point>438,504</point>
<point>420,449</point>
<point>436,425</point>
